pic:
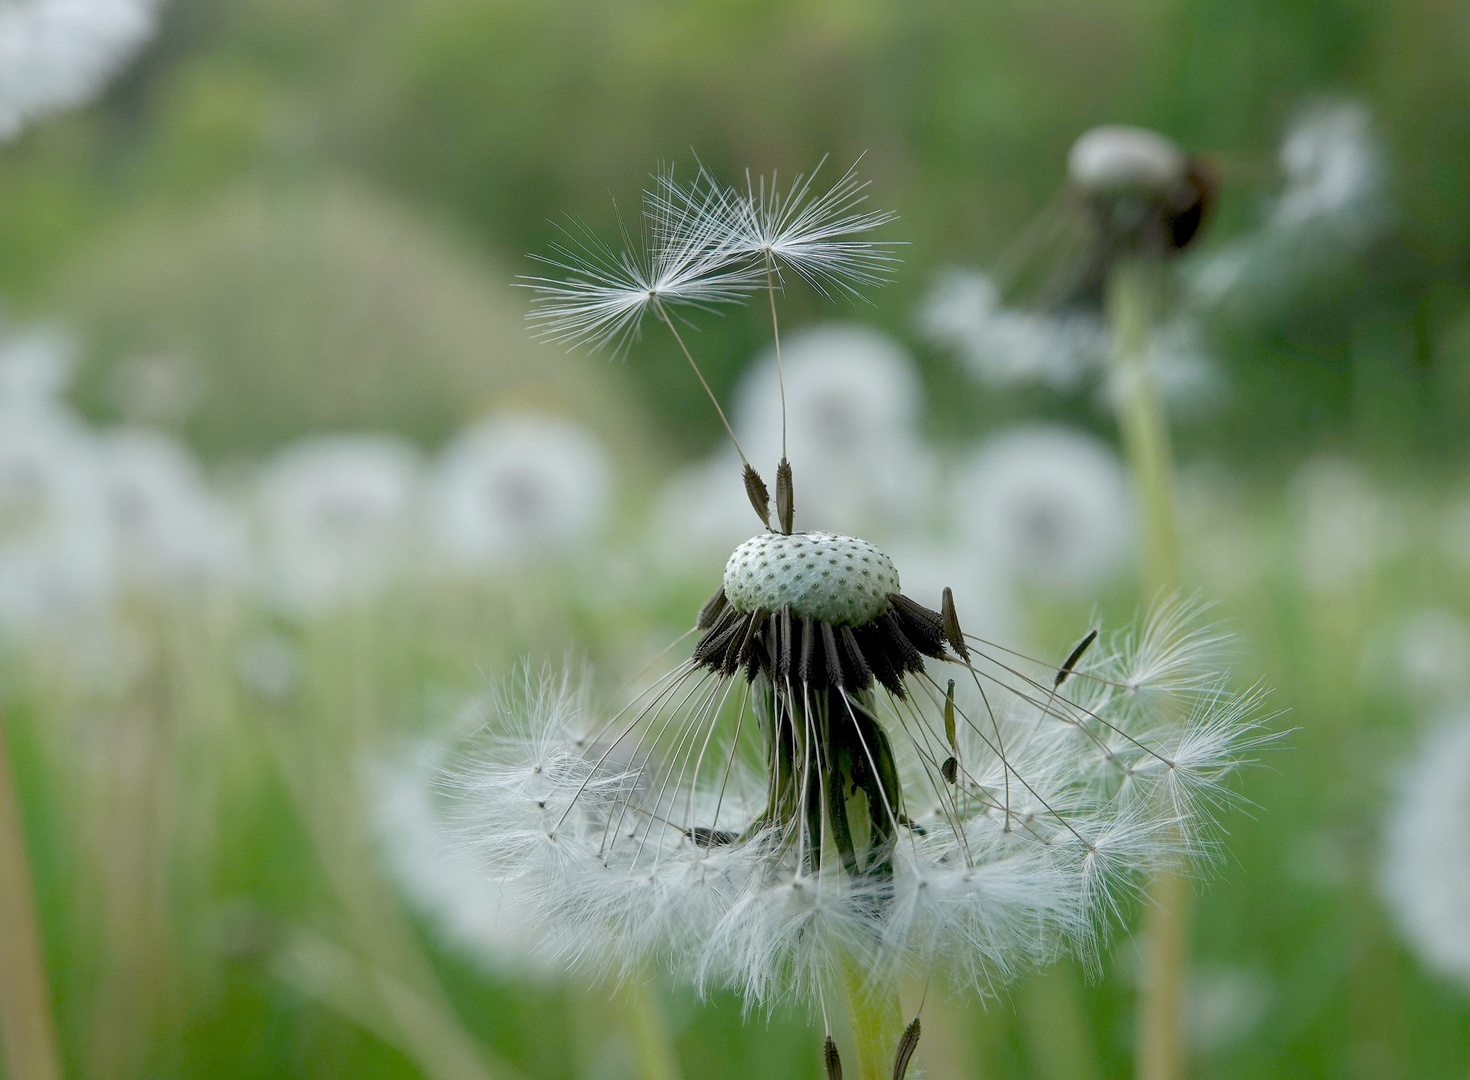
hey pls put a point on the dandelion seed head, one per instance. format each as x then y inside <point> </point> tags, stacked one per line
<point>839,774</point>
<point>1118,157</point>
<point>666,851</point>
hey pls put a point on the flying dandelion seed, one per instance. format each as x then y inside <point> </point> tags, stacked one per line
<point>839,779</point>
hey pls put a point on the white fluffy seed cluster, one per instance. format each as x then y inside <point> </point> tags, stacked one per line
<point>836,579</point>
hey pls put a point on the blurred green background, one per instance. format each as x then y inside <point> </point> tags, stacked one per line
<point>319,207</point>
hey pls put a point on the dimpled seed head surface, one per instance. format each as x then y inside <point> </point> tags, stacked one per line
<point>836,579</point>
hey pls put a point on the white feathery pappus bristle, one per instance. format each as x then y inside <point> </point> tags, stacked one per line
<point>646,836</point>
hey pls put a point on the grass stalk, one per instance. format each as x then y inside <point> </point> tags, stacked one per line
<point>1135,298</point>
<point>26,1026</point>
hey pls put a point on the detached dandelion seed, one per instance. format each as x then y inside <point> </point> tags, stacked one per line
<point>841,787</point>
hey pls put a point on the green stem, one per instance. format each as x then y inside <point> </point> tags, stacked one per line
<point>876,1020</point>
<point>29,1036</point>
<point>651,1032</point>
<point>1058,1044</point>
<point>1135,295</point>
<point>1134,299</point>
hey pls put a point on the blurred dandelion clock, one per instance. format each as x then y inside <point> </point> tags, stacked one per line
<point>1425,875</point>
<point>1333,203</point>
<point>699,514</point>
<point>839,787</point>
<point>1225,1005</point>
<point>1051,505</point>
<point>36,365</point>
<point>1334,166</point>
<point>57,54</point>
<point>55,558</point>
<point>167,527</point>
<point>338,514</point>
<point>852,401</point>
<point>1005,345</point>
<point>512,488</point>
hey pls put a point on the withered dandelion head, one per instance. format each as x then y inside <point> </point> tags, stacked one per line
<point>839,781</point>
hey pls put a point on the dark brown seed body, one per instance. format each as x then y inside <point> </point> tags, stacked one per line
<point>1072,658</point>
<point>831,1058</point>
<point>785,497</point>
<point>760,498</point>
<point>906,1047</point>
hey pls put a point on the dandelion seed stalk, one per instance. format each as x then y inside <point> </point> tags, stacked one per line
<point>1135,297</point>
<point>1135,291</point>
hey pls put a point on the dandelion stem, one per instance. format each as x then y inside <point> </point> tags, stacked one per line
<point>1057,1041</point>
<point>664,315</point>
<point>1135,290</point>
<point>1134,298</point>
<point>876,1020</point>
<point>27,1032</point>
<point>651,1032</point>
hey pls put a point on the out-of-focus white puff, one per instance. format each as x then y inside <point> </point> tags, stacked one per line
<point>1425,875</point>
<point>1049,504</point>
<point>853,402</point>
<point>338,515</point>
<point>515,488</point>
<point>168,528</point>
<point>55,555</point>
<point>489,920</point>
<point>57,54</point>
